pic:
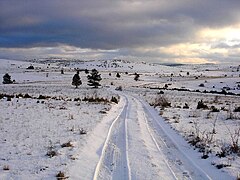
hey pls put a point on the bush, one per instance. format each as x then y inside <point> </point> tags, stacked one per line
<point>186,106</point>
<point>237,109</point>
<point>160,92</point>
<point>51,153</point>
<point>114,99</point>
<point>6,168</point>
<point>27,96</point>
<point>161,101</point>
<point>67,144</point>
<point>30,67</point>
<point>136,78</point>
<point>201,85</point>
<point>118,75</point>
<point>201,105</point>
<point>82,131</point>
<point>214,109</point>
<point>60,175</point>
<point>119,88</point>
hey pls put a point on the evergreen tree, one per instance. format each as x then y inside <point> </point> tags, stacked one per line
<point>76,81</point>
<point>94,78</point>
<point>7,79</point>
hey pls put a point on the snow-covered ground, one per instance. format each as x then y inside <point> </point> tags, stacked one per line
<point>40,136</point>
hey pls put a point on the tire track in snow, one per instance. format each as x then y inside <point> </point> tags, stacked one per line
<point>156,144</point>
<point>148,161</point>
<point>118,157</point>
<point>199,172</point>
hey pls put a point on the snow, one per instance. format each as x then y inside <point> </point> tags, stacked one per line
<point>127,140</point>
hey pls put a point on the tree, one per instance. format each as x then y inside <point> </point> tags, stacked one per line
<point>94,78</point>
<point>7,79</point>
<point>76,81</point>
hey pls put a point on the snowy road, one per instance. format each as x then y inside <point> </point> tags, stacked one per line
<point>138,145</point>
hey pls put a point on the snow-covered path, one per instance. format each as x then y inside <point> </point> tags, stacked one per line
<point>137,144</point>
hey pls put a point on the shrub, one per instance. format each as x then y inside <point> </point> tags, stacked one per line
<point>136,78</point>
<point>237,109</point>
<point>6,168</point>
<point>51,153</point>
<point>30,67</point>
<point>119,88</point>
<point>60,175</point>
<point>161,101</point>
<point>201,105</point>
<point>114,99</point>
<point>27,96</point>
<point>43,97</point>
<point>95,99</point>
<point>214,109</point>
<point>67,144</point>
<point>160,92</point>
<point>82,131</point>
<point>186,106</point>
<point>201,85</point>
<point>118,75</point>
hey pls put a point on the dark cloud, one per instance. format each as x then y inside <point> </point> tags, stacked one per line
<point>107,24</point>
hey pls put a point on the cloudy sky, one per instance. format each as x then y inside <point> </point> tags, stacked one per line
<point>165,31</point>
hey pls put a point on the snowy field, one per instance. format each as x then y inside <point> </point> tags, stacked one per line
<point>155,131</point>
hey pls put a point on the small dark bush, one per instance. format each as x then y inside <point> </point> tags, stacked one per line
<point>19,95</point>
<point>201,85</point>
<point>237,109</point>
<point>119,88</point>
<point>1,96</point>
<point>95,99</point>
<point>30,67</point>
<point>220,166</point>
<point>205,156</point>
<point>103,112</point>
<point>194,141</point>
<point>161,101</point>
<point>6,168</point>
<point>114,99</point>
<point>214,109</point>
<point>67,144</point>
<point>118,75</point>
<point>160,92</point>
<point>186,106</point>
<point>201,105</point>
<point>77,99</point>
<point>51,153</point>
<point>60,175</point>
<point>43,97</point>
<point>82,131</point>
<point>27,96</point>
